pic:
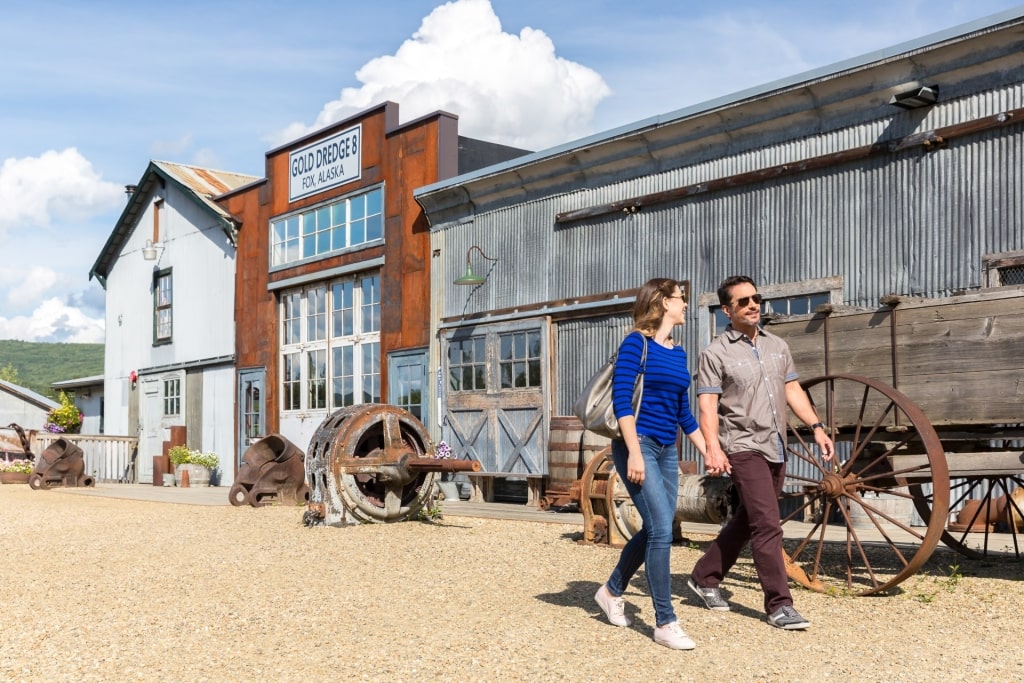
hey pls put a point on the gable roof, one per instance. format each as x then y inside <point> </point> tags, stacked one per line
<point>201,184</point>
<point>28,396</point>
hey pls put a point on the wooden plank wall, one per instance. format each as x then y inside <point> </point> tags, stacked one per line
<point>960,359</point>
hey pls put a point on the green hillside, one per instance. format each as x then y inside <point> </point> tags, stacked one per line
<point>39,364</point>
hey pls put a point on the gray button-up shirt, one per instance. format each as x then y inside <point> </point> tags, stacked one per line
<point>750,379</point>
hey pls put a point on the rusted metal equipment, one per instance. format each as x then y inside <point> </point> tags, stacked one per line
<point>609,516</point>
<point>60,464</point>
<point>14,441</point>
<point>272,472</point>
<point>372,463</point>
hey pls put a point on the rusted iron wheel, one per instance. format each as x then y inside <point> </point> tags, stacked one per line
<point>848,535</point>
<point>358,447</point>
<point>624,514</point>
<point>239,495</point>
<point>975,537</point>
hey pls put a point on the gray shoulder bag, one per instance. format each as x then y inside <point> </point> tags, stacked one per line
<point>595,408</point>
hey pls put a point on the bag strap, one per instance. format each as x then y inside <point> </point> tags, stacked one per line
<point>643,358</point>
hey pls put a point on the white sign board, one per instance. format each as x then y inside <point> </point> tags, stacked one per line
<point>326,163</point>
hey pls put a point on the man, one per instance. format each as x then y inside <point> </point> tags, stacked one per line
<point>745,379</point>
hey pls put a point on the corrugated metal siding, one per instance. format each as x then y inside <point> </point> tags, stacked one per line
<point>912,223</point>
<point>583,347</point>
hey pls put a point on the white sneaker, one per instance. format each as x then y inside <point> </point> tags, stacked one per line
<point>614,607</point>
<point>672,635</point>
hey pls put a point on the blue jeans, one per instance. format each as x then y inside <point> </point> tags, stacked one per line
<point>655,500</point>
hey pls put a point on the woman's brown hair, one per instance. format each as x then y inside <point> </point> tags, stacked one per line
<point>647,310</point>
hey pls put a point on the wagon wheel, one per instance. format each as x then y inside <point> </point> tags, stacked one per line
<point>379,435</point>
<point>885,447</point>
<point>992,491</point>
<point>609,515</point>
<point>623,512</point>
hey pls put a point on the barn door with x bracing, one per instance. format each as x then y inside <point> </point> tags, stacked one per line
<point>496,408</point>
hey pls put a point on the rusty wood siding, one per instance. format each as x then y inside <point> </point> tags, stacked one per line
<point>399,157</point>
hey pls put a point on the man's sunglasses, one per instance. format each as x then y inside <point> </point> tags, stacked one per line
<point>744,301</point>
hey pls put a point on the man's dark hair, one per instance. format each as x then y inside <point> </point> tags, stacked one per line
<point>728,283</point>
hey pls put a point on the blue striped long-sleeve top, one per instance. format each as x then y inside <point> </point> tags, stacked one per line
<point>666,402</point>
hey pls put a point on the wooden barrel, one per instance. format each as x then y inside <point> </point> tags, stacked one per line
<point>570,449</point>
<point>708,500</point>
<point>896,507</point>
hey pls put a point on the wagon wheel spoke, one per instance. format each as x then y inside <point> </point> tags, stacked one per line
<point>392,500</point>
<point>969,532</point>
<point>859,528</point>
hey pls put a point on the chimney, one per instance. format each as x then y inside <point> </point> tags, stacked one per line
<point>130,190</point>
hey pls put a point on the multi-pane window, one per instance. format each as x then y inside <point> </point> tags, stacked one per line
<point>291,325</point>
<point>1011,275</point>
<point>291,370</point>
<point>162,318</point>
<point>800,304</point>
<point>519,359</point>
<point>172,396</point>
<point>348,222</point>
<point>467,364</point>
<point>331,344</point>
<point>1003,269</point>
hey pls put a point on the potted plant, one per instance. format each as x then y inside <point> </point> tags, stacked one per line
<point>447,484</point>
<point>196,463</point>
<point>15,471</point>
<point>64,419</point>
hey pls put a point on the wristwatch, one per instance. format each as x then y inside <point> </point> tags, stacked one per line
<point>817,425</point>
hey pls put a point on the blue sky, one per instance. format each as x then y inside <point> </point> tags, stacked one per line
<point>90,92</point>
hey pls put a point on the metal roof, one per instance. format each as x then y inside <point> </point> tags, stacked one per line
<point>202,184</point>
<point>92,381</point>
<point>959,32</point>
<point>28,395</point>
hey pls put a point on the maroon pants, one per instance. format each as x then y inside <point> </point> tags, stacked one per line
<point>759,484</point>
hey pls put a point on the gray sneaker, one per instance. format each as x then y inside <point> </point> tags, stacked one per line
<point>788,618</point>
<point>711,597</point>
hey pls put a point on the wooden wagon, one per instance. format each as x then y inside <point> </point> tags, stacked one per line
<point>925,401</point>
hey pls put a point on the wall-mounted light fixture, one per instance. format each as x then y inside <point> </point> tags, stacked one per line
<point>471,278</point>
<point>149,251</point>
<point>916,96</point>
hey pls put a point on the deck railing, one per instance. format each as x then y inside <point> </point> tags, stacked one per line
<point>109,459</point>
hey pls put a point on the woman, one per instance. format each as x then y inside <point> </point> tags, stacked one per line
<point>645,457</point>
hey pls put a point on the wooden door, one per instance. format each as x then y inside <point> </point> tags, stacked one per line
<point>496,395</point>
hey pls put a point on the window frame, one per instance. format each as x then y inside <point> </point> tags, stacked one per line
<point>993,266</point>
<point>168,399</point>
<point>328,228</point>
<point>310,379</point>
<point>159,277</point>
<point>832,287</point>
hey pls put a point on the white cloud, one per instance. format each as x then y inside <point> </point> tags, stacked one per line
<point>32,288</point>
<point>505,88</point>
<point>53,321</point>
<point>36,191</point>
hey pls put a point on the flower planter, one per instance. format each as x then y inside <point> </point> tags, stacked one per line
<point>197,475</point>
<point>450,489</point>
<point>14,477</point>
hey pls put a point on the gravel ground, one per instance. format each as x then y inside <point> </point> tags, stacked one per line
<point>98,589</point>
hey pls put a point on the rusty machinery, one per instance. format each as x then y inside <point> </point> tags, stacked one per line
<point>272,471</point>
<point>372,463</point>
<point>60,464</point>
<point>609,516</point>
